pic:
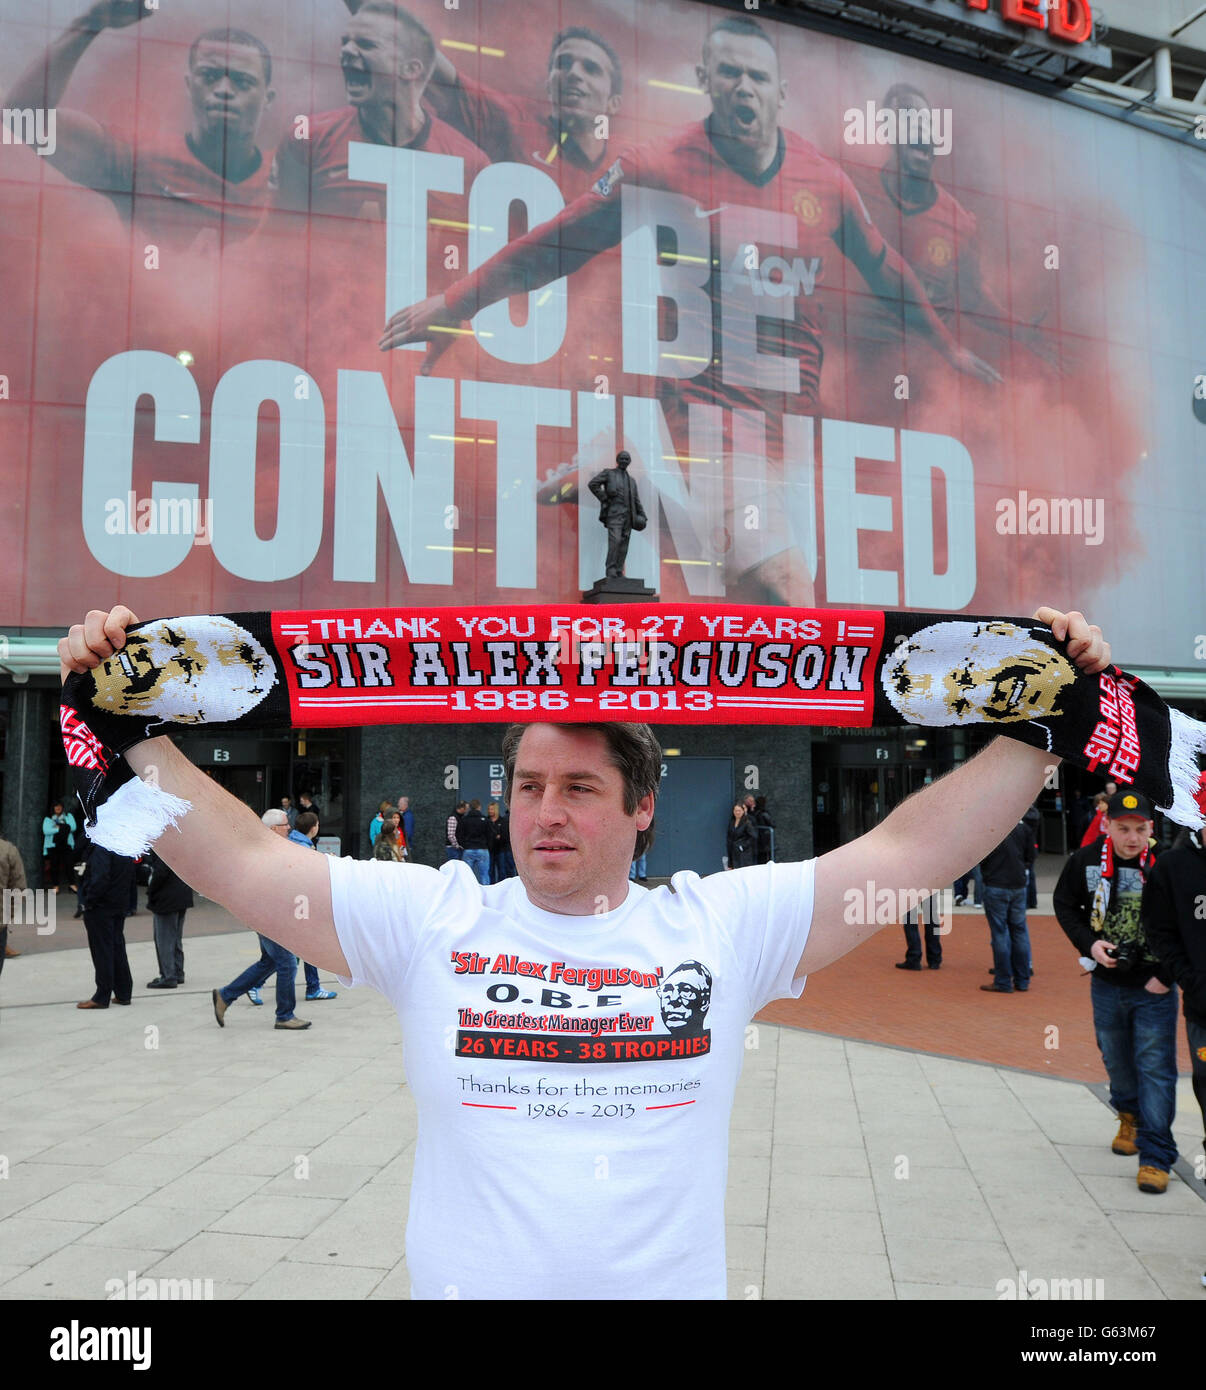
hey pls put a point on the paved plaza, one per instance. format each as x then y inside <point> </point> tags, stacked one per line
<point>277,1165</point>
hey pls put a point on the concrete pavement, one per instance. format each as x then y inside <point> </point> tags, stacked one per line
<point>277,1165</point>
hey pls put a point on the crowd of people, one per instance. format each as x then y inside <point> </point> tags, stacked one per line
<point>482,841</point>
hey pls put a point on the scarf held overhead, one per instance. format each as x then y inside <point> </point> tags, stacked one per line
<point>694,664</point>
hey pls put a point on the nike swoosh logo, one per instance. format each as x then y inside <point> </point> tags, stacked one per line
<point>709,212</point>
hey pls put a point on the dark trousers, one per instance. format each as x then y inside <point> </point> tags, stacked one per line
<point>60,868</point>
<point>3,946</point>
<point>169,944</point>
<point>618,536</point>
<point>1197,1056</point>
<point>933,942</point>
<point>107,942</point>
<point>272,957</point>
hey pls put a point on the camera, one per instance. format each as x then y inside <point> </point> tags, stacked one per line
<point>1128,954</point>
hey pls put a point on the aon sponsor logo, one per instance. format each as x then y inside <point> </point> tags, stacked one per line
<point>774,276</point>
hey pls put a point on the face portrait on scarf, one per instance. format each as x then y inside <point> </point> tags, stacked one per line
<point>218,671</point>
<point>973,673</point>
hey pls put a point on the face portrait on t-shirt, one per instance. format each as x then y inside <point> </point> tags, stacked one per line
<point>684,996</point>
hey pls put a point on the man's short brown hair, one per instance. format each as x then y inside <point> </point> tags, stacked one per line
<point>420,43</point>
<point>634,753</point>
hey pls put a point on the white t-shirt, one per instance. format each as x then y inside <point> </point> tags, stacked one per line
<point>573,1075</point>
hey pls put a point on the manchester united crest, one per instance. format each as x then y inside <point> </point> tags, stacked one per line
<point>807,207</point>
<point>940,251</point>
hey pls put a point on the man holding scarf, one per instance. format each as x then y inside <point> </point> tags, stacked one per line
<point>581,940</point>
<point>1097,901</point>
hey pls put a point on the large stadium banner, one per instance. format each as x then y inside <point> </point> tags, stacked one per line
<point>313,303</point>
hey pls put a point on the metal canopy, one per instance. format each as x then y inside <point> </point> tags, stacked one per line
<point>1170,99</point>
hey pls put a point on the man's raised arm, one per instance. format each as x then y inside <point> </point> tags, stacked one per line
<point>939,832</point>
<point>220,847</point>
<point>583,229</point>
<point>81,147</point>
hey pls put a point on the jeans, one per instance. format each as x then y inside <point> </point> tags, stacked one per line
<point>107,942</point>
<point>638,869</point>
<point>479,861</point>
<point>312,983</point>
<point>169,944</point>
<point>1137,1033</point>
<point>272,957</point>
<point>1005,909</point>
<point>452,852</point>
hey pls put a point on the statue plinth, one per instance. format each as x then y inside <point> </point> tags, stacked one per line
<point>620,590</point>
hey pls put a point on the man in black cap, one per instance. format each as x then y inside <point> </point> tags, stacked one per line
<point>620,511</point>
<point>1097,901</point>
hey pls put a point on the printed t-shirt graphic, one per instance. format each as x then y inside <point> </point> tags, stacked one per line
<point>581,1148</point>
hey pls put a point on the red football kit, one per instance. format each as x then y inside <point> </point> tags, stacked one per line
<point>173,198</point>
<point>771,237</point>
<point>939,241</point>
<point>517,130</point>
<point>313,173</point>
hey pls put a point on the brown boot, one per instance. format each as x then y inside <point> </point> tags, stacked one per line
<point>1152,1179</point>
<point>10,954</point>
<point>1124,1140</point>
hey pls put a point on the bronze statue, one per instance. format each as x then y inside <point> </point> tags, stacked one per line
<point>620,511</point>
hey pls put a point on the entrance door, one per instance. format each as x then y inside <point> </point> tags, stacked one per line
<point>481,779</point>
<point>864,799</point>
<point>694,808</point>
<point>249,784</point>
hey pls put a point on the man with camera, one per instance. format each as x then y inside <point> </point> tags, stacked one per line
<point>1097,901</point>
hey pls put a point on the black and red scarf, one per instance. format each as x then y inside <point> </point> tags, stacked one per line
<point>684,664</point>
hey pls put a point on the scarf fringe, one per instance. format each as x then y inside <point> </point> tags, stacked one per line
<point>134,817</point>
<point>1187,743</point>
